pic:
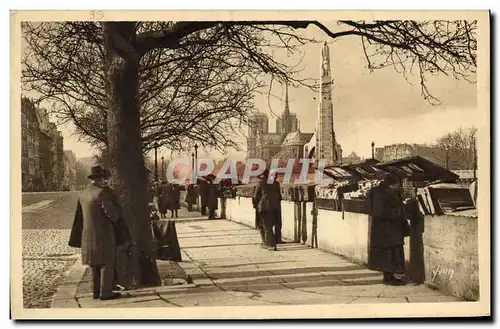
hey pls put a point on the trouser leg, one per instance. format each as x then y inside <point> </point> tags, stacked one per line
<point>107,276</point>
<point>268,222</point>
<point>278,227</point>
<point>260,227</point>
<point>96,280</point>
<point>190,207</point>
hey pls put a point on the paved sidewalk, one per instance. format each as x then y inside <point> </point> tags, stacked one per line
<point>229,268</point>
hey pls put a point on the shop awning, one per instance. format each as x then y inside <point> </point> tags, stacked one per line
<point>416,168</point>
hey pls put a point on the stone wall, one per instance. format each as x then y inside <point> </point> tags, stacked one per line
<point>445,255</point>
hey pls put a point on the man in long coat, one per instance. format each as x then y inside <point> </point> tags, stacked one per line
<point>388,227</point>
<point>94,233</point>
<point>191,197</point>
<point>278,222</point>
<point>268,204</point>
<point>213,200</point>
<point>204,196</point>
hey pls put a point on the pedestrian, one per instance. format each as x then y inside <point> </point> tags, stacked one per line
<point>267,200</point>
<point>190,197</point>
<point>165,198</point>
<point>122,239</point>
<point>204,193</point>
<point>388,227</point>
<point>258,221</point>
<point>279,223</point>
<point>94,233</point>
<point>176,200</point>
<point>213,201</point>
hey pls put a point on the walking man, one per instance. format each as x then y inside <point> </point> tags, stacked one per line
<point>94,233</point>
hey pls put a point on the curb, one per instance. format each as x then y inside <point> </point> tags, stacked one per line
<point>65,296</point>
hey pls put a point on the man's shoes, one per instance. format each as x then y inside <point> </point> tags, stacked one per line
<point>114,295</point>
<point>118,288</point>
<point>272,248</point>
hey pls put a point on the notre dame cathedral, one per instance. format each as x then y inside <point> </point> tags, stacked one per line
<point>289,141</point>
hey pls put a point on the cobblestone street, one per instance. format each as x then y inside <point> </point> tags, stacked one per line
<point>47,219</point>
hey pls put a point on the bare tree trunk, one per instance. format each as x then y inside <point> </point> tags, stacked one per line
<point>124,147</point>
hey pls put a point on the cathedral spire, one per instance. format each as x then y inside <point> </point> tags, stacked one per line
<point>287,106</point>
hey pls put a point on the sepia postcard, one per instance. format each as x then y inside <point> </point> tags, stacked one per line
<point>250,164</point>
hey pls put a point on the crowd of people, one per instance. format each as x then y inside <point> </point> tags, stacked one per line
<point>99,228</point>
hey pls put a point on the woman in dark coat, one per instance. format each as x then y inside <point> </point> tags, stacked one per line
<point>190,197</point>
<point>388,227</point>
<point>165,199</point>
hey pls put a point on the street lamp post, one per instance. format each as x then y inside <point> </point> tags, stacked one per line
<point>162,167</point>
<point>373,150</point>
<point>196,160</point>
<point>447,149</point>
<point>156,161</point>
<point>192,163</point>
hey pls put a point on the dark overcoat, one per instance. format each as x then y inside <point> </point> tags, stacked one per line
<point>213,201</point>
<point>191,194</point>
<point>166,198</point>
<point>97,213</point>
<point>267,197</point>
<point>387,229</point>
<point>204,193</point>
<point>176,197</point>
<point>122,234</point>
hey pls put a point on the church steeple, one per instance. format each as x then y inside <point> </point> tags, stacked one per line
<point>287,106</point>
<point>326,144</point>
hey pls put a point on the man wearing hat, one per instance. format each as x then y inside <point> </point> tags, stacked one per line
<point>93,232</point>
<point>267,202</point>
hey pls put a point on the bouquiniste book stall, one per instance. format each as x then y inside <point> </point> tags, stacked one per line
<point>351,183</point>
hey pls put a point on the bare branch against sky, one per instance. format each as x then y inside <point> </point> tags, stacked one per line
<point>205,87</point>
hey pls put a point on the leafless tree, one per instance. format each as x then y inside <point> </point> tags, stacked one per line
<point>460,147</point>
<point>120,81</point>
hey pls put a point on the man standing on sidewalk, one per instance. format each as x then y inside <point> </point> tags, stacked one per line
<point>93,231</point>
<point>279,223</point>
<point>267,201</point>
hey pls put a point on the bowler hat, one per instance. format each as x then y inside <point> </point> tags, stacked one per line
<point>107,173</point>
<point>96,172</point>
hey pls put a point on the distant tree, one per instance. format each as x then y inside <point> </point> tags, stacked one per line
<point>460,148</point>
<point>82,172</point>
<point>353,157</point>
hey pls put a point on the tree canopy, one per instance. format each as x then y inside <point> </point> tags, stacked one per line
<point>197,79</point>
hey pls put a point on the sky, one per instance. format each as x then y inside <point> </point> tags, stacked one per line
<point>380,106</point>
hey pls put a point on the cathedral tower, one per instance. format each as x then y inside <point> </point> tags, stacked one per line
<point>326,144</point>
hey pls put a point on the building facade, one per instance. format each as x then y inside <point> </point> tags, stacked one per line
<point>30,139</point>
<point>70,166</point>
<point>432,153</point>
<point>42,153</point>
<point>289,141</point>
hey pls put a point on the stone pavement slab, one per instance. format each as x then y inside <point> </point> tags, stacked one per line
<point>229,268</point>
